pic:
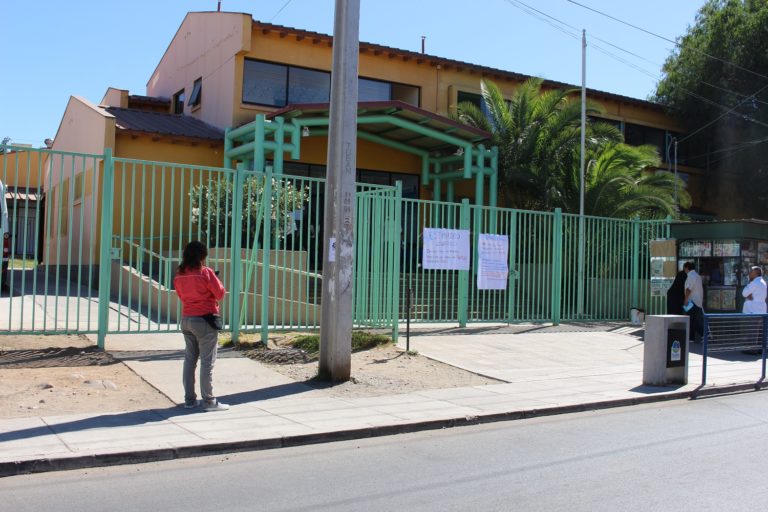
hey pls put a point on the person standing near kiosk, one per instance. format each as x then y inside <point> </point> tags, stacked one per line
<point>754,303</point>
<point>694,300</point>
<point>755,293</point>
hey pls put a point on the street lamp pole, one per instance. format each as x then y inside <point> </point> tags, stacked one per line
<point>582,162</point>
<point>336,307</point>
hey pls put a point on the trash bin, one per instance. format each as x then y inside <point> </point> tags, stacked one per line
<point>665,354</point>
<point>637,316</point>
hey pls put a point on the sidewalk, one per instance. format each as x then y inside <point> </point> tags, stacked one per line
<point>548,370</point>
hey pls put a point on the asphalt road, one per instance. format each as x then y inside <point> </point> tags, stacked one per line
<point>709,454</point>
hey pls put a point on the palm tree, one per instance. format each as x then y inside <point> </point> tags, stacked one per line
<point>538,135</point>
<point>619,184</point>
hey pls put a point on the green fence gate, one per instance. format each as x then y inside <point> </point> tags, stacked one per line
<point>53,272</point>
<point>548,279</point>
<point>95,242</point>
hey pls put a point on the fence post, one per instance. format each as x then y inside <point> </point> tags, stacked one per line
<point>512,287</point>
<point>396,246</point>
<point>635,263</point>
<point>557,265</point>
<point>235,256</point>
<point>463,302</point>
<point>105,244</point>
<point>704,349</point>
<point>266,246</point>
<point>764,347</point>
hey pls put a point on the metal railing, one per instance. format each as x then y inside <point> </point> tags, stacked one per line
<point>110,231</point>
<point>727,332</point>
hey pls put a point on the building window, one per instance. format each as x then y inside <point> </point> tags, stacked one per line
<point>407,94</point>
<point>475,99</point>
<point>277,85</point>
<point>308,86</point>
<point>373,90</point>
<point>377,90</point>
<point>638,135</point>
<point>265,83</point>
<point>178,102</point>
<point>197,93</point>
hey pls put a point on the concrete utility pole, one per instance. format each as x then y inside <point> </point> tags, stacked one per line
<point>582,164</point>
<point>336,307</point>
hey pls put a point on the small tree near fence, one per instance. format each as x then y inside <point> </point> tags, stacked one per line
<point>212,210</point>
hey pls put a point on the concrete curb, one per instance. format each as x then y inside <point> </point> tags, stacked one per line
<point>43,465</point>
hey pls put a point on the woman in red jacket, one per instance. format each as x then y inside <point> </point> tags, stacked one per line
<point>199,289</point>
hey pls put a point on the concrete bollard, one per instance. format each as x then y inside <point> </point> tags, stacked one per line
<point>665,354</point>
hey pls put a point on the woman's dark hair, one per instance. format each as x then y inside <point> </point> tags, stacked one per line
<point>192,257</point>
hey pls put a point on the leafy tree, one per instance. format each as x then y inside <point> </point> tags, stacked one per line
<point>535,133</point>
<point>212,209</point>
<point>720,64</point>
<point>619,184</point>
<point>538,135</point>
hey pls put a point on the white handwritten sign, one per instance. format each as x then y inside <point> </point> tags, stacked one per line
<point>446,249</point>
<point>492,257</point>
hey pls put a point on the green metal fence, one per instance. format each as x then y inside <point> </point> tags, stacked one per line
<point>547,280</point>
<point>377,258</point>
<point>155,211</point>
<point>53,263</point>
<point>96,241</point>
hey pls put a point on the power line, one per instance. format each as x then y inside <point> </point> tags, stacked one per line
<point>545,18</point>
<point>279,11</point>
<point>736,93</point>
<point>726,113</point>
<point>737,147</point>
<point>542,16</point>
<point>548,19</point>
<point>724,61</point>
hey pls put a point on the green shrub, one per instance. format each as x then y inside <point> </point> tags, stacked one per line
<point>361,340</point>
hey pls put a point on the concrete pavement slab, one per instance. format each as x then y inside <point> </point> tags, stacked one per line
<point>548,371</point>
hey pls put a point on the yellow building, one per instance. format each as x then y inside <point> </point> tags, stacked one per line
<point>224,68</point>
<point>221,69</point>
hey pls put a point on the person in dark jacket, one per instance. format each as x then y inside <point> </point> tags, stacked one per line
<point>200,291</point>
<point>676,294</point>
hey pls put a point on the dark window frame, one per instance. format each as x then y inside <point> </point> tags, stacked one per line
<point>287,99</point>
<point>196,96</point>
<point>177,105</point>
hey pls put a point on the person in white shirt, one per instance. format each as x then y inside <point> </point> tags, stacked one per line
<point>755,292</point>
<point>754,303</point>
<point>694,300</point>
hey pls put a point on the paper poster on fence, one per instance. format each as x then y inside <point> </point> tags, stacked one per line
<point>446,249</point>
<point>492,262</point>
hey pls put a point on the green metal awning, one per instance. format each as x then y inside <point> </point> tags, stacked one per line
<point>437,133</point>
<point>449,150</point>
<point>731,229</point>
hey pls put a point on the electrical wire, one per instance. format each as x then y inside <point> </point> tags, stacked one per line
<point>678,45</point>
<point>545,18</point>
<point>542,16</point>
<point>740,146</point>
<point>279,11</point>
<point>726,113</point>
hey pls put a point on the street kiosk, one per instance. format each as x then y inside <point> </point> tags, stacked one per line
<point>723,252</point>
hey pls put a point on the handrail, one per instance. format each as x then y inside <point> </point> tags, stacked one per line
<point>170,260</point>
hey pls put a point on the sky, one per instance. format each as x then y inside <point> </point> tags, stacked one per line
<point>53,49</point>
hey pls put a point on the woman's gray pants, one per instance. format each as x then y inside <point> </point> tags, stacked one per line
<point>202,343</point>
